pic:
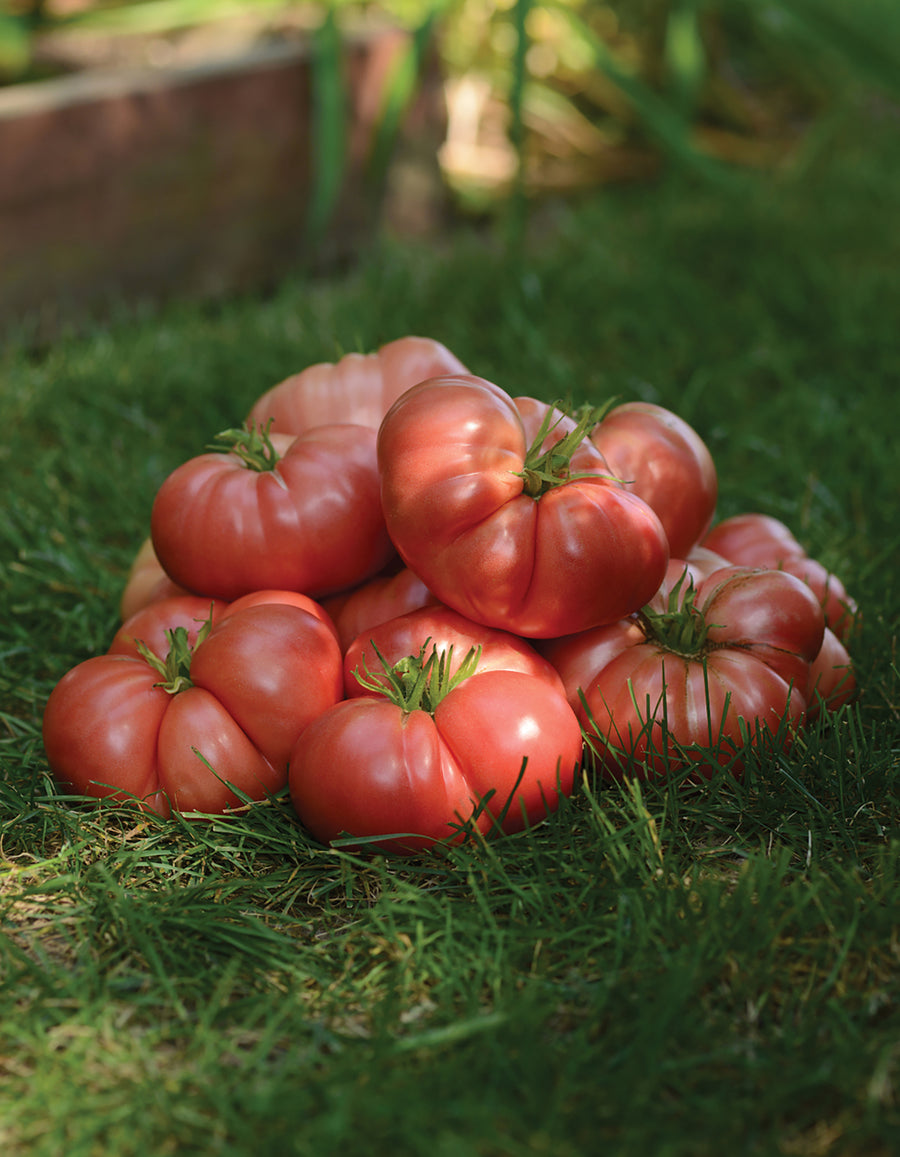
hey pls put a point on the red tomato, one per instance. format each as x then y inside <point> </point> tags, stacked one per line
<point>288,598</point>
<point>150,624</point>
<point>841,611</point>
<point>663,460</point>
<point>359,388</point>
<point>753,540</point>
<point>683,682</point>
<point>173,731</point>
<point>147,582</point>
<point>534,543</point>
<point>832,682</point>
<point>308,519</point>
<point>760,540</point>
<point>381,598</point>
<point>446,631</point>
<point>408,776</point>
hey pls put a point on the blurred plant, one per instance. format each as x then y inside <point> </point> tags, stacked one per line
<point>562,94</point>
<point>557,95</point>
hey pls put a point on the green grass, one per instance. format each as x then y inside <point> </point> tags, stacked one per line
<point>653,971</point>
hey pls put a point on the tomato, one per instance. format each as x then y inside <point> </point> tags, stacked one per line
<point>534,542</point>
<point>146,582</point>
<point>832,681</point>
<point>682,683</point>
<point>298,514</point>
<point>449,633</point>
<point>149,625</point>
<point>760,540</point>
<point>753,540</point>
<point>413,768</point>
<point>173,731</point>
<point>381,598</point>
<point>841,611</point>
<point>663,460</point>
<point>359,388</point>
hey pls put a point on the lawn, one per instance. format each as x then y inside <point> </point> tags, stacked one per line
<point>652,971</point>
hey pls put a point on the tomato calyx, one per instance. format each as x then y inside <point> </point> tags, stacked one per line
<point>417,682</point>
<point>545,469</point>
<point>682,627</point>
<point>251,444</point>
<point>176,667</point>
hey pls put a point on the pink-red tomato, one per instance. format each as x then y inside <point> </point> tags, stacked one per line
<point>218,724</point>
<point>758,540</point>
<point>832,681</point>
<point>451,634</point>
<point>150,624</point>
<point>146,583</point>
<point>521,541</point>
<point>359,388</point>
<point>841,611</point>
<point>381,598</point>
<point>692,677</point>
<point>663,460</point>
<point>309,520</point>
<point>371,770</point>
<point>753,540</point>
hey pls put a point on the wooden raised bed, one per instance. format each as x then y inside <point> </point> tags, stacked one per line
<point>120,186</point>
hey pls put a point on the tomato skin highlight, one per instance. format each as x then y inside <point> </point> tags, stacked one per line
<point>514,718</point>
<point>452,452</point>
<point>313,523</point>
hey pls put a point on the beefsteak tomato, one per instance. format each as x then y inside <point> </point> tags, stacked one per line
<point>696,674</point>
<point>428,756</point>
<point>446,632</point>
<point>274,512</point>
<point>198,727</point>
<point>534,540</point>
<point>759,540</point>
<point>147,582</point>
<point>663,460</point>
<point>359,388</point>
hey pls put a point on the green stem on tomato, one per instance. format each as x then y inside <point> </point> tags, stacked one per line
<point>251,444</point>
<point>417,682</point>
<point>175,669</point>
<point>682,627</point>
<point>545,469</point>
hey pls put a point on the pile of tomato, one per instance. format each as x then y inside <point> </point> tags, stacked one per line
<point>423,605</point>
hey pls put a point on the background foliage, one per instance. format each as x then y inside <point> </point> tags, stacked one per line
<point>556,95</point>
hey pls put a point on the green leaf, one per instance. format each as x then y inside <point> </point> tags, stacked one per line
<point>329,135</point>
<point>662,120</point>
<point>15,47</point>
<point>400,89</point>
